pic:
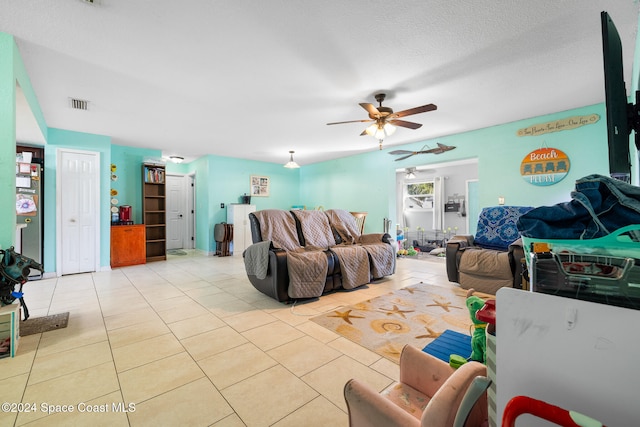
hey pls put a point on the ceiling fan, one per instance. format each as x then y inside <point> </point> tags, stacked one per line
<point>441,148</point>
<point>385,120</point>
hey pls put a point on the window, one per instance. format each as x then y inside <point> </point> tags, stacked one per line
<point>419,195</point>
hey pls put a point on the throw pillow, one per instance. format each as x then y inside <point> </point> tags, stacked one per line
<point>497,226</point>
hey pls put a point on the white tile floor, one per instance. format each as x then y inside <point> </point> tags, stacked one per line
<point>189,341</point>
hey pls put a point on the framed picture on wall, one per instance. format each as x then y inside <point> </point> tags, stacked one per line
<point>259,186</point>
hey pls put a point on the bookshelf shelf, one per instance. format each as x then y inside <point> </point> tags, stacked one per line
<point>154,211</point>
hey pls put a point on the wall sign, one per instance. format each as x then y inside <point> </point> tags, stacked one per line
<point>544,166</point>
<point>558,125</point>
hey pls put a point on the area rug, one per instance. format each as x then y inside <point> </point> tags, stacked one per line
<point>414,315</point>
<point>37,325</point>
<point>176,252</point>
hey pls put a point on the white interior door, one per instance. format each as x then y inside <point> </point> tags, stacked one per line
<point>176,211</point>
<point>78,201</point>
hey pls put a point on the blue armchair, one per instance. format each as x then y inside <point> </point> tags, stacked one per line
<point>492,258</point>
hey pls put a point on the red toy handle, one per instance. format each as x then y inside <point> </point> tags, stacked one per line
<point>526,405</point>
<point>487,313</point>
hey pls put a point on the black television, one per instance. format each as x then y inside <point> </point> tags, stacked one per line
<point>622,116</point>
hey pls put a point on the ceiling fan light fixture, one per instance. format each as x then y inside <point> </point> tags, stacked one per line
<point>291,164</point>
<point>380,131</point>
<point>410,173</point>
<point>371,130</point>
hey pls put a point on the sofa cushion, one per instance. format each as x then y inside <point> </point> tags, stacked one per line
<point>354,265</point>
<point>485,270</point>
<point>307,273</point>
<point>407,398</point>
<point>279,227</point>
<point>344,224</point>
<point>497,226</point>
<point>315,229</point>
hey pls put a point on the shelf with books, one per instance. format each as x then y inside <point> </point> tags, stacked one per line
<point>154,211</point>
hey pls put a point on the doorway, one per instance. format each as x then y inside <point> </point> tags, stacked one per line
<point>78,208</point>
<point>449,210</point>
<point>474,206</point>
<point>180,211</point>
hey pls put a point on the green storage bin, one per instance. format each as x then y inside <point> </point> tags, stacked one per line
<point>623,243</point>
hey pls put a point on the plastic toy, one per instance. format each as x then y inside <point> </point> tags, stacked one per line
<point>478,337</point>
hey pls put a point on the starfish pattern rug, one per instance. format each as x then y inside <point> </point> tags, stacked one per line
<point>414,315</point>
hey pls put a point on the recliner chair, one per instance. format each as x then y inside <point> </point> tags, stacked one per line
<point>493,257</point>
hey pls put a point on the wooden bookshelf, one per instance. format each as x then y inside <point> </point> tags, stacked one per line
<point>154,211</point>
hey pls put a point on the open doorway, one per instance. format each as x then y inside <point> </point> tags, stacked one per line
<point>180,211</point>
<point>435,201</point>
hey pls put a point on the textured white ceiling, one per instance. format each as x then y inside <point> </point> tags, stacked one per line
<point>255,79</point>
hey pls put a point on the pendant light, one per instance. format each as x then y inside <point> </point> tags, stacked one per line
<point>291,164</point>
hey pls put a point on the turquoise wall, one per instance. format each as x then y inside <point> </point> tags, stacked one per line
<point>366,182</point>
<point>12,72</point>
<point>224,179</point>
<point>128,184</point>
<point>7,141</point>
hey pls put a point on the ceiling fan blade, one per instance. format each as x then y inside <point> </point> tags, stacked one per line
<point>401,152</point>
<point>373,111</point>
<point>404,157</point>
<point>416,110</point>
<point>350,121</point>
<point>405,124</point>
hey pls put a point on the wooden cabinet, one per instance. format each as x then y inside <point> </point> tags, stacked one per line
<point>127,245</point>
<point>238,215</point>
<point>154,211</point>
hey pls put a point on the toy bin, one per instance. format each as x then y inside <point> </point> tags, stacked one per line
<point>624,243</point>
<point>596,278</point>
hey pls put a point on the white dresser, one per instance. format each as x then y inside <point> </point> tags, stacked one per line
<point>238,215</point>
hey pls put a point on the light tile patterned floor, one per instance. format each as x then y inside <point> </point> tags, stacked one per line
<point>189,341</point>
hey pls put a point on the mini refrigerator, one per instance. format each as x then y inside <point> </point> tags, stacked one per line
<point>29,211</point>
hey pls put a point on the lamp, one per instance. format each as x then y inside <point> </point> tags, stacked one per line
<point>291,164</point>
<point>176,159</point>
<point>379,130</point>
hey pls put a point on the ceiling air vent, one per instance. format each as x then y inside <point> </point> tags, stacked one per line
<point>79,104</point>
